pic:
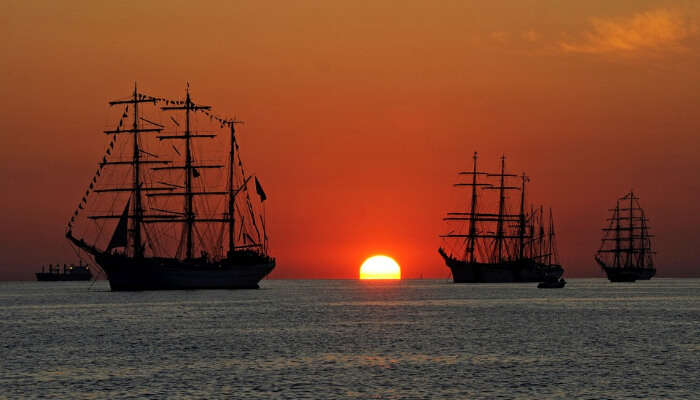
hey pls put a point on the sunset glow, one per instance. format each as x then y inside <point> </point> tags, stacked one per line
<point>380,267</point>
<point>359,115</point>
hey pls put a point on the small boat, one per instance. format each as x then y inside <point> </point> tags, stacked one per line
<point>552,283</point>
<point>70,272</point>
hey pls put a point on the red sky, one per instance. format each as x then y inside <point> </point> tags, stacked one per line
<point>359,114</point>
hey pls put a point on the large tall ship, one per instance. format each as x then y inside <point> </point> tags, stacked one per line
<point>499,244</point>
<point>626,252</point>
<point>170,204</point>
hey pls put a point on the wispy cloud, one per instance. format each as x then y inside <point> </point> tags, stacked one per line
<point>652,30</point>
<point>500,37</point>
<point>530,35</point>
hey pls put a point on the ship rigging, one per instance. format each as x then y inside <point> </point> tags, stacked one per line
<point>169,233</point>
<point>626,252</point>
<point>499,245</point>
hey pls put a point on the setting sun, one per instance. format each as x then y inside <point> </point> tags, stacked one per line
<point>380,267</point>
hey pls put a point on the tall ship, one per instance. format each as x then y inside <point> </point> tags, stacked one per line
<point>170,205</point>
<point>626,253</point>
<point>502,243</point>
<point>70,272</point>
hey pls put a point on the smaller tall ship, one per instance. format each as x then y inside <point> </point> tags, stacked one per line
<point>170,205</point>
<point>506,243</point>
<point>70,272</point>
<point>626,253</point>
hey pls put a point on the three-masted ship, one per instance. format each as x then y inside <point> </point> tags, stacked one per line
<point>179,210</point>
<point>499,245</point>
<point>626,252</point>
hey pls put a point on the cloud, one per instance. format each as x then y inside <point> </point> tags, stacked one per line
<point>652,30</point>
<point>500,37</point>
<point>530,35</point>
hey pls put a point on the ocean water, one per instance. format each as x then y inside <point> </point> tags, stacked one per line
<point>421,339</point>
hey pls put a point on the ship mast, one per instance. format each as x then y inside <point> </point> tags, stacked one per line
<point>630,253</point>
<point>231,196</point>
<point>645,250</point>
<point>189,212</point>
<point>501,207</point>
<point>472,216</point>
<point>521,225</point>
<point>137,217</point>
<point>643,240</point>
<point>232,191</point>
<point>500,232</point>
<point>617,234</point>
<point>138,209</point>
<point>531,227</point>
<point>189,168</point>
<point>540,243</point>
<point>134,211</point>
<point>550,248</point>
<point>472,210</point>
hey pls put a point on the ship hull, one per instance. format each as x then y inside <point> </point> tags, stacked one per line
<point>629,274</point>
<point>516,271</point>
<point>129,274</point>
<point>50,277</point>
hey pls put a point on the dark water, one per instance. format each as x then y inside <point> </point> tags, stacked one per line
<point>350,339</point>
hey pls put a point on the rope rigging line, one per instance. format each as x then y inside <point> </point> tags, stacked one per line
<point>161,237</point>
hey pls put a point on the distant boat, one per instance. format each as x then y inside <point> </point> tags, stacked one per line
<point>499,245</point>
<point>71,272</point>
<point>157,191</point>
<point>552,283</point>
<point>626,253</point>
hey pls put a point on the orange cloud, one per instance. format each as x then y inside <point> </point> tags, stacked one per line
<point>530,35</point>
<point>652,30</point>
<point>500,37</point>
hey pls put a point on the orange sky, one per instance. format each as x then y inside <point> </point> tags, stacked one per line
<point>358,115</point>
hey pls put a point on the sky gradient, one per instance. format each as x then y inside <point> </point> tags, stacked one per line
<point>359,114</point>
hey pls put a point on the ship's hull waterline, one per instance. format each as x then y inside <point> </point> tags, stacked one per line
<point>629,274</point>
<point>523,271</point>
<point>49,277</point>
<point>128,274</point>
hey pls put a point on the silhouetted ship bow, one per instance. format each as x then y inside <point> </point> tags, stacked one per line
<point>500,246</point>
<point>161,191</point>
<point>626,253</point>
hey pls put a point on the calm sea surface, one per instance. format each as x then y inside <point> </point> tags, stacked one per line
<point>350,339</point>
